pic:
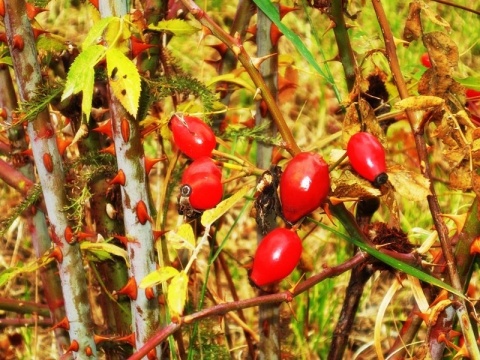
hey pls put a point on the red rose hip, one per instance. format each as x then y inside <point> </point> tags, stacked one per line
<point>425,60</point>
<point>304,185</point>
<point>276,257</point>
<point>206,191</point>
<point>192,136</point>
<point>201,165</point>
<point>367,157</point>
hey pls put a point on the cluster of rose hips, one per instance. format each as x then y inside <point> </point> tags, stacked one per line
<point>304,186</point>
<point>201,185</point>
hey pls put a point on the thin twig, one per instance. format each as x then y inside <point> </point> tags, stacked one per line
<point>449,3</point>
<point>235,45</point>
<point>222,309</point>
<point>425,168</point>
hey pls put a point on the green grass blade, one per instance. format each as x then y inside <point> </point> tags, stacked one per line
<point>271,11</point>
<point>395,263</point>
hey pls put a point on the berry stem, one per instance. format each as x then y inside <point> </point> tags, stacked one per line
<point>242,55</point>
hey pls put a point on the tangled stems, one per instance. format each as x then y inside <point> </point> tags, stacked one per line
<point>237,48</point>
<point>222,309</point>
<point>425,168</point>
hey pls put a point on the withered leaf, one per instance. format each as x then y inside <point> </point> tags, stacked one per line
<point>413,25</point>
<point>390,201</point>
<point>408,184</point>
<point>419,103</point>
<point>461,177</point>
<point>476,146</point>
<point>361,116</point>
<point>442,50</point>
<point>455,156</point>
<point>349,185</point>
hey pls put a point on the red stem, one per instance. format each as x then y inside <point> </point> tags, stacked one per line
<point>224,308</point>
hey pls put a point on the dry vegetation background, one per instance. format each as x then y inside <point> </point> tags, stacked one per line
<point>312,111</point>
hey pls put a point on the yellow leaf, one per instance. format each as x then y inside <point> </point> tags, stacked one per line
<point>177,27</point>
<point>233,79</point>
<point>419,103</point>
<point>158,276</point>
<point>210,216</point>
<point>410,185</point>
<point>105,246</point>
<point>177,294</point>
<point>124,80</point>
<point>182,238</point>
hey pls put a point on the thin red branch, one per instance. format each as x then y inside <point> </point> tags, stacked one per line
<point>14,178</point>
<point>458,6</point>
<point>224,308</point>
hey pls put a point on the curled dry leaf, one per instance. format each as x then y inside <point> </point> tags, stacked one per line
<point>419,103</point>
<point>350,186</point>
<point>409,185</point>
<point>361,116</point>
<point>461,178</point>
<point>413,25</point>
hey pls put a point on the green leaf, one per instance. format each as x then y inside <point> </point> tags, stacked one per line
<point>177,294</point>
<point>7,274</point>
<point>7,60</point>
<point>97,31</point>
<point>81,76</point>
<point>124,80</point>
<point>51,43</point>
<point>233,79</point>
<point>158,276</point>
<point>470,82</point>
<point>176,27</point>
<point>99,247</point>
<point>182,238</point>
<point>272,12</point>
<point>210,216</point>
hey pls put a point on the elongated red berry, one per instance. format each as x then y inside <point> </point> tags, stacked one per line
<point>192,136</point>
<point>367,157</point>
<point>304,185</point>
<point>201,165</point>
<point>276,257</point>
<point>206,191</point>
<point>472,95</point>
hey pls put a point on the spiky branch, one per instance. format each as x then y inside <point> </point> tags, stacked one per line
<point>50,171</point>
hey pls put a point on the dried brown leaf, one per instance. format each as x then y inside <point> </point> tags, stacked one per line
<point>413,25</point>
<point>419,103</point>
<point>455,156</point>
<point>349,185</point>
<point>361,116</point>
<point>461,177</point>
<point>409,185</point>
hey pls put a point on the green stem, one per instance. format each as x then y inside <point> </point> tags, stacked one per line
<point>344,45</point>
